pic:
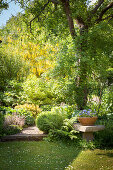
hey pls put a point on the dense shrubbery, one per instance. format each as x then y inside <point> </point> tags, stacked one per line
<point>30,107</point>
<point>10,130</point>
<point>66,111</point>
<point>19,117</point>
<point>105,138</point>
<point>54,119</point>
<point>14,119</point>
<point>48,120</point>
<point>65,133</point>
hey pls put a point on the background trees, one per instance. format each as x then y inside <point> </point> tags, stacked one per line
<point>90,27</point>
<point>74,35</point>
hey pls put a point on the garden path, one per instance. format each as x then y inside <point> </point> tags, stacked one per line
<point>30,130</point>
<point>30,133</point>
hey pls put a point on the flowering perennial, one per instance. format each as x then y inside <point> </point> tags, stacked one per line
<point>87,113</point>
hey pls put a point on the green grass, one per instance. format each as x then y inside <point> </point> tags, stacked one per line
<point>93,160</point>
<point>36,155</point>
<point>52,156</point>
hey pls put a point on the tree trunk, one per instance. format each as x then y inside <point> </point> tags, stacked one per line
<point>82,89</point>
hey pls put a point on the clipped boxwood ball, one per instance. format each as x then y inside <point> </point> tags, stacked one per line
<point>48,120</point>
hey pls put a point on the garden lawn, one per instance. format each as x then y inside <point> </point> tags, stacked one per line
<point>52,156</point>
<point>93,160</point>
<point>36,155</point>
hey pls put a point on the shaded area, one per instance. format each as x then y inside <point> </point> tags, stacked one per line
<point>36,155</point>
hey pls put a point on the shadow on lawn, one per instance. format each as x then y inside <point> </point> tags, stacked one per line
<point>107,154</point>
<point>37,155</point>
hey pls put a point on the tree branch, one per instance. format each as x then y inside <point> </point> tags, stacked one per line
<point>55,1</point>
<point>110,16</point>
<point>104,11</point>
<point>93,11</point>
<point>67,10</point>
<point>37,16</point>
<point>97,6</point>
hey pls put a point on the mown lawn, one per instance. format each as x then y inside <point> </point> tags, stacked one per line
<point>93,160</point>
<point>52,156</point>
<point>36,155</point>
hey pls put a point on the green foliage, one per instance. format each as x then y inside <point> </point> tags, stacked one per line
<point>65,110</point>
<point>46,107</point>
<point>1,123</point>
<point>104,138</point>
<point>65,133</point>
<point>17,116</point>
<point>86,145</point>
<point>3,5</point>
<point>11,130</point>
<point>12,71</point>
<point>7,110</point>
<point>49,120</point>
<point>13,94</point>
<point>29,108</point>
<point>38,90</point>
<point>29,118</point>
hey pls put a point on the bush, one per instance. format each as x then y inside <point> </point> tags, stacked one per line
<point>65,110</point>
<point>105,137</point>
<point>46,107</point>
<point>11,130</point>
<point>48,120</point>
<point>6,110</point>
<point>66,132</point>
<point>29,119</point>
<point>17,115</point>
<point>14,119</point>
<point>30,107</point>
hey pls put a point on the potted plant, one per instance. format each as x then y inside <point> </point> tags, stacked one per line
<point>87,117</point>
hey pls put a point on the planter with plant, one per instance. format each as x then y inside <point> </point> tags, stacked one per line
<point>87,117</point>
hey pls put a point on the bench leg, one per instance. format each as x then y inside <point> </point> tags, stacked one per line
<point>88,136</point>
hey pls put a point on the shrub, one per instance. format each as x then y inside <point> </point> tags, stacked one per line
<point>105,137</point>
<point>29,119</point>
<point>14,119</point>
<point>46,107</point>
<point>30,107</point>
<point>17,114</point>
<point>11,129</point>
<point>6,110</point>
<point>66,132</point>
<point>48,120</point>
<point>64,110</point>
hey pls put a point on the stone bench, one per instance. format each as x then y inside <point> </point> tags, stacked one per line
<point>87,131</point>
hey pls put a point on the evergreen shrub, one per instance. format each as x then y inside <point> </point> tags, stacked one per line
<point>49,120</point>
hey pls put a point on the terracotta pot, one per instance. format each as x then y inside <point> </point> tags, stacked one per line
<point>87,121</point>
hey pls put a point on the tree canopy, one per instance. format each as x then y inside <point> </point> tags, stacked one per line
<point>84,33</point>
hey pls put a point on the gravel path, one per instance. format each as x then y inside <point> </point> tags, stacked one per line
<point>31,130</point>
